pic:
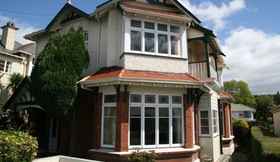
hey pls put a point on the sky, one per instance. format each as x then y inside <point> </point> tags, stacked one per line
<point>248,32</point>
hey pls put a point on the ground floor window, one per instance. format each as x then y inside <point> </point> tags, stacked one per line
<point>204,122</point>
<point>155,120</point>
<point>109,121</point>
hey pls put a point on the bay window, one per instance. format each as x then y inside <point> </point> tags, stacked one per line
<point>155,38</point>
<point>109,121</point>
<point>204,122</point>
<point>155,121</point>
<point>215,121</point>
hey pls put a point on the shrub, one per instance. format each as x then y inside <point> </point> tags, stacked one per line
<point>142,157</point>
<point>241,123</point>
<point>17,146</point>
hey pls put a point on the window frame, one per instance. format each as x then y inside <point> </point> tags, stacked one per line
<point>157,106</point>
<point>113,104</point>
<point>209,124</point>
<point>215,119</point>
<point>155,31</point>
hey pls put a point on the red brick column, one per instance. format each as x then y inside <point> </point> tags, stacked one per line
<point>188,119</point>
<point>97,120</point>
<point>122,120</point>
<point>230,115</point>
<point>226,120</point>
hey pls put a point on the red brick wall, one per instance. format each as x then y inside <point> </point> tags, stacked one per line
<point>188,120</point>
<point>122,121</point>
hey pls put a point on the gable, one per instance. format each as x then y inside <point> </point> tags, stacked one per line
<point>66,14</point>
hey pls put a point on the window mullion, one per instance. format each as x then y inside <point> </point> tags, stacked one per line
<point>170,122</point>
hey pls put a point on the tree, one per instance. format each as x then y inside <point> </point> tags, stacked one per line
<point>241,92</point>
<point>276,98</point>
<point>58,69</point>
<point>264,104</point>
<point>14,81</point>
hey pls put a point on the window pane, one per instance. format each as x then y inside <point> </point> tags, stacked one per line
<point>204,114</point>
<point>204,122</point>
<point>2,65</point>
<point>109,111</point>
<point>174,29</point>
<point>204,130</point>
<point>163,99</point>
<point>162,43</point>
<point>162,27</point>
<point>135,111</point>
<point>135,40</point>
<point>164,130</point>
<point>135,98</point>
<point>177,130</point>
<point>150,98</point>
<point>150,112</point>
<point>163,112</point>
<point>149,25</point>
<point>109,131</point>
<point>110,98</point>
<point>135,131</point>
<point>136,23</point>
<point>176,99</point>
<point>174,45</point>
<point>176,112</point>
<point>150,131</point>
<point>149,42</point>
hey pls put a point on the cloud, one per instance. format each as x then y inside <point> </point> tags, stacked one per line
<point>215,14</point>
<point>253,56</point>
<point>24,28</point>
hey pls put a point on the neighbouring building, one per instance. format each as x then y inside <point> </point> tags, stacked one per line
<point>240,111</point>
<point>276,121</point>
<point>154,83</point>
<point>14,56</point>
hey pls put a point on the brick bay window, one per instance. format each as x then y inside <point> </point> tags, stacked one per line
<point>109,121</point>
<point>155,121</point>
<point>155,38</point>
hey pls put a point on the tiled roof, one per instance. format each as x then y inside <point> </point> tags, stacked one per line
<point>224,94</point>
<point>119,72</point>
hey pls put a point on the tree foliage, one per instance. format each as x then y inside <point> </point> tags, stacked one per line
<point>57,69</point>
<point>241,92</point>
<point>276,98</point>
<point>14,81</point>
<point>264,104</point>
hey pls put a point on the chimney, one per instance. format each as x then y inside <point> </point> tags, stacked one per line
<point>9,35</point>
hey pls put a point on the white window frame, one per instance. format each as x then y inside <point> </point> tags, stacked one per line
<point>102,125</point>
<point>209,123</point>
<point>5,68</point>
<point>155,31</point>
<point>156,105</point>
<point>217,120</point>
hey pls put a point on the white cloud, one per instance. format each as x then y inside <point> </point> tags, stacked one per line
<point>213,13</point>
<point>24,28</point>
<point>253,56</point>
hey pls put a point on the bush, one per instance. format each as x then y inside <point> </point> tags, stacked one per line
<point>17,146</point>
<point>241,131</point>
<point>142,157</point>
<point>241,123</point>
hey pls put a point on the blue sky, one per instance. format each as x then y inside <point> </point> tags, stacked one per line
<point>248,31</point>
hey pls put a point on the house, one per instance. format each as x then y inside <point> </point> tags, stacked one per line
<point>276,121</point>
<point>240,111</point>
<point>154,83</point>
<point>14,56</point>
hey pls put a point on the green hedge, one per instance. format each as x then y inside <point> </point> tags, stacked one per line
<point>17,146</point>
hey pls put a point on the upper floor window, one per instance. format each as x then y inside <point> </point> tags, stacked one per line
<point>155,38</point>
<point>86,38</point>
<point>5,66</point>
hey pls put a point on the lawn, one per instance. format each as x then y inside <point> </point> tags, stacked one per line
<point>269,143</point>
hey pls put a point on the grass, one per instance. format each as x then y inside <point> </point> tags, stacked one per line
<point>270,144</point>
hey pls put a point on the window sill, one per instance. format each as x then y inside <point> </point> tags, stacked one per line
<point>153,55</point>
<point>157,150</point>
